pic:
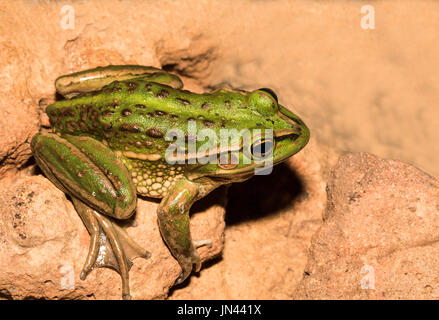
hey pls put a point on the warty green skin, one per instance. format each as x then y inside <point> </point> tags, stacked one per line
<point>109,144</point>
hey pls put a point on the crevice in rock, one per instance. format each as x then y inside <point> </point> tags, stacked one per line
<point>190,63</point>
<point>5,294</point>
<point>263,196</point>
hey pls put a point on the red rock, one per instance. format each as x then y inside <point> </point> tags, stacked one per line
<point>379,239</point>
<point>19,114</point>
<point>43,245</point>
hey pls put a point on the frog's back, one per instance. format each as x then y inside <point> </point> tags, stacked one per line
<point>134,116</point>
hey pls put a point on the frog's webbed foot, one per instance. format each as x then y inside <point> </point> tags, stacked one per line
<point>110,246</point>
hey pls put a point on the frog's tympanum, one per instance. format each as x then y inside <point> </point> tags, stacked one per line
<point>128,130</point>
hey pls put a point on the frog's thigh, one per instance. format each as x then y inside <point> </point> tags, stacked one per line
<point>88,170</point>
<point>173,218</point>
<point>95,79</point>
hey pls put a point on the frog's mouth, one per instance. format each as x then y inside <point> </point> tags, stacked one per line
<point>232,177</point>
<point>290,117</point>
<point>292,140</point>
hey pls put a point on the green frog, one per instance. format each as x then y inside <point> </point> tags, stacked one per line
<point>126,130</point>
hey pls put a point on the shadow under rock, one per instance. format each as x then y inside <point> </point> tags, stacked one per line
<point>262,196</point>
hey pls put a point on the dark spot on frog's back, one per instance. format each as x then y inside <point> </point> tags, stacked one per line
<point>107,113</point>
<point>140,106</point>
<point>160,113</point>
<point>157,113</point>
<point>205,105</point>
<point>183,101</point>
<point>132,85</point>
<point>129,127</point>
<point>154,132</point>
<point>115,88</point>
<point>126,112</point>
<point>162,94</point>
<point>208,123</point>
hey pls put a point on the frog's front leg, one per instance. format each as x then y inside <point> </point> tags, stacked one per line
<point>100,186</point>
<point>173,219</point>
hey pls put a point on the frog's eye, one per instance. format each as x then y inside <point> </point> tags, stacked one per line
<point>264,101</point>
<point>271,93</point>
<point>262,148</point>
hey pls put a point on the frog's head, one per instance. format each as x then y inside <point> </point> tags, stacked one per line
<point>268,135</point>
<point>289,132</point>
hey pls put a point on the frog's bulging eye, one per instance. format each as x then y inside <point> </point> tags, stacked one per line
<point>271,93</point>
<point>263,101</point>
<point>262,148</point>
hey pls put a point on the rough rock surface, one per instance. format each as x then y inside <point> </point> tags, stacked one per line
<point>19,115</point>
<point>269,224</point>
<point>380,235</point>
<point>43,245</point>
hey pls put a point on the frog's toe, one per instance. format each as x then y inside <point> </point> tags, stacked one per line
<point>187,265</point>
<point>197,265</point>
<point>202,243</point>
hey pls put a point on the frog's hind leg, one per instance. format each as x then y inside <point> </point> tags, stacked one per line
<point>102,192</point>
<point>95,79</point>
<point>110,246</point>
